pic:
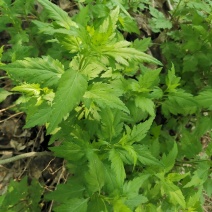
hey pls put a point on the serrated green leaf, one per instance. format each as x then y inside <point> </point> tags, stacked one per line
<point>172,81</point>
<point>82,17</point>
<point>44,28</point>
<point>35,191</point>
<point>111,182</point>
<point>174,193</point>
<point>30,89</point>
<point>142,45</point>
<point>108,26</point>
<point>203,125</point>
<point>136,201</point>
<point>64,192</point>
<point>131,188</point>
<point>169,159</point>
<point>117,166</point>
<point>119,206</point>
<point>159,21</point>
<point>187,148</point>
<point>199,176</point>
<point>40,117</point>
<point>149,79</point>
<point>44,71</point>
<point>204,99</point>
<point>132,153</point>
<point>4,94</point>
<point>73,205</point>
<point>93,70</point>
<point>194,199</point>
<point>176,176</point>
<point>16,191</point>
<point>97,205</point>
<point>145,157</point>
<point>129,24</point>
<point>69,151</point>
<point>118,5</point>
<point>121,52</point>
<point>208,186</point>
<point>71,89</point>
<point>111,123</point>
<point>95,176</point>
<point>56,13</point>
<point>179,102</point>
<point>105,96</point>
<point>139,131</point>
<point>147,105</point>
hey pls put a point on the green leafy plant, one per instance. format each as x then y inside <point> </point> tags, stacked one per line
<point>113,117</point>
<point>188,44</point>
<point>20,196</point>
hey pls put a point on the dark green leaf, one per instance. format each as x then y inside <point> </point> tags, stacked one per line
<point>117,166</point>
<point>139,131</point>
<point>179,102</point>
<point>72,189</point>
<point>72,87</point>
<point>95,176</point>
<point>73,205</point>
<point>69,151</point>
<point>169,159</point>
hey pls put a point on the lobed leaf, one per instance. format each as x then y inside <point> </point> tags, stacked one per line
<point>95,176</point>
<point>69,150</point>
<point>56,13</point>
<point>169,159</point>
<point>147,105</point>
<point>40,117</point>
<point>179,102</point>
<point>71,89</point>
<point>145,157</point>
<point>139,131</point>
<point>117,166</point>
<point>105,96</point>
<point>121,52</point>
<point>45,71</point>
<point>111,123</point>
<point>73,205</point>
<point>64,192</point>
<point>204,99</point>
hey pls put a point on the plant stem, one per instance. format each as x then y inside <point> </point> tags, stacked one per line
<point>24,155</point>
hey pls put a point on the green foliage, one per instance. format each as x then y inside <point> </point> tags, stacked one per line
<point>188,44</point>
<point>114,115</point>
<point>21,197</point>
<point>4,94</point>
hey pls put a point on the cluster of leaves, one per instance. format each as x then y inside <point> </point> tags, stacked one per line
<point>113,115</point>
<point>188,44</point>
<point>22,197</point>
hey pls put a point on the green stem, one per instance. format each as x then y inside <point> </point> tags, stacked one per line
<point>175,10</point>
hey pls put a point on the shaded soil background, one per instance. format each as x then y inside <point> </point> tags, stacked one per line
<point>14,140</point>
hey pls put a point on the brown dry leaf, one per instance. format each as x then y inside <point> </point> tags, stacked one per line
<point>142,22</point>
<point>65,5</point>
<point>17,145</point>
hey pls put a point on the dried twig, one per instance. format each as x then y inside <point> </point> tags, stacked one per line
<point>16,114</point>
